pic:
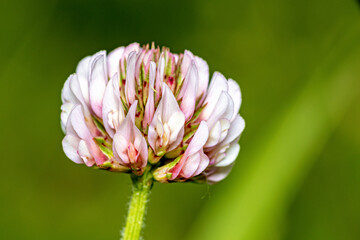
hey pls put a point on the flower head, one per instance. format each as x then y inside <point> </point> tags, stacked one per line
<point>142,106</point>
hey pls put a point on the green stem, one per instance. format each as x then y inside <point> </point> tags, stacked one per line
<point>135,219</point>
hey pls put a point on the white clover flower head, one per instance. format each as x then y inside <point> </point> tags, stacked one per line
<point>143,108</point>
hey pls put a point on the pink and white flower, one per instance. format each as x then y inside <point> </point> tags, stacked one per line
<point>166,130</point>
<point>144,109</point>
<point>129,145</point>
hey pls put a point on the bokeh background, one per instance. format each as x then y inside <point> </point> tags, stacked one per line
<point>298,64</point>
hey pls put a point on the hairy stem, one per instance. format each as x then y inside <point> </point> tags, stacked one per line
<point>135,218</point>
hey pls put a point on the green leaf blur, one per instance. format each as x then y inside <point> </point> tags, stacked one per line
<point>298,65</point>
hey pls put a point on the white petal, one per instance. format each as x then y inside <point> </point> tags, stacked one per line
<point>218,84</point>
<point>113,61</point>
<point>98,82</point>
<point>186,62</point>
<point>219,174</point>
<point>66,109</point>
<point>176,57</point>
<point>225,126</point>
<point>159,76</point>
<point>66,93</point>
<point>235,93</point>
<point>78,123</point>
<point>177,140</point>
<point>224,109</point>
<point>76,89</point>
<point>69,100</point>
<point>169,104</point>
<point>69,127</point>
<point>70,145</point>
<point>231,155</point>
<point>120,145</point>
<point>176,123</point>
<point>203,71</point>
<point>214,135</point>
<point>152,136</point>
<point>85,154</point>
<point>83,74</point>
<point>130,78</point>
<point>236,128</point>
<point>112,107</point>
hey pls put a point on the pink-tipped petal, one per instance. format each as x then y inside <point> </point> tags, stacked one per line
<point>129,145</point>
<point>194,148</point>
<point>121,141</point>
<point>134,47</point>
<point>126,126</point>
<point>141,147</point>
<point>189,99</point>
<point>204,162</point>
<point>191,165</point>
<point>198,140</point>
<point>77,120</point>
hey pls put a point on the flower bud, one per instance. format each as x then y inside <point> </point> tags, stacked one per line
<point>144,109</point>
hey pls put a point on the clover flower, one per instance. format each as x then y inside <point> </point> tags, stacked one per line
<point>141,108</point>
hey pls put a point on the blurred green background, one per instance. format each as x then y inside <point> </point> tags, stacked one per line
<point>298,64</point>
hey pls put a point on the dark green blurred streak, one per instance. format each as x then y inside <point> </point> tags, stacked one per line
<point>272,48</point>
